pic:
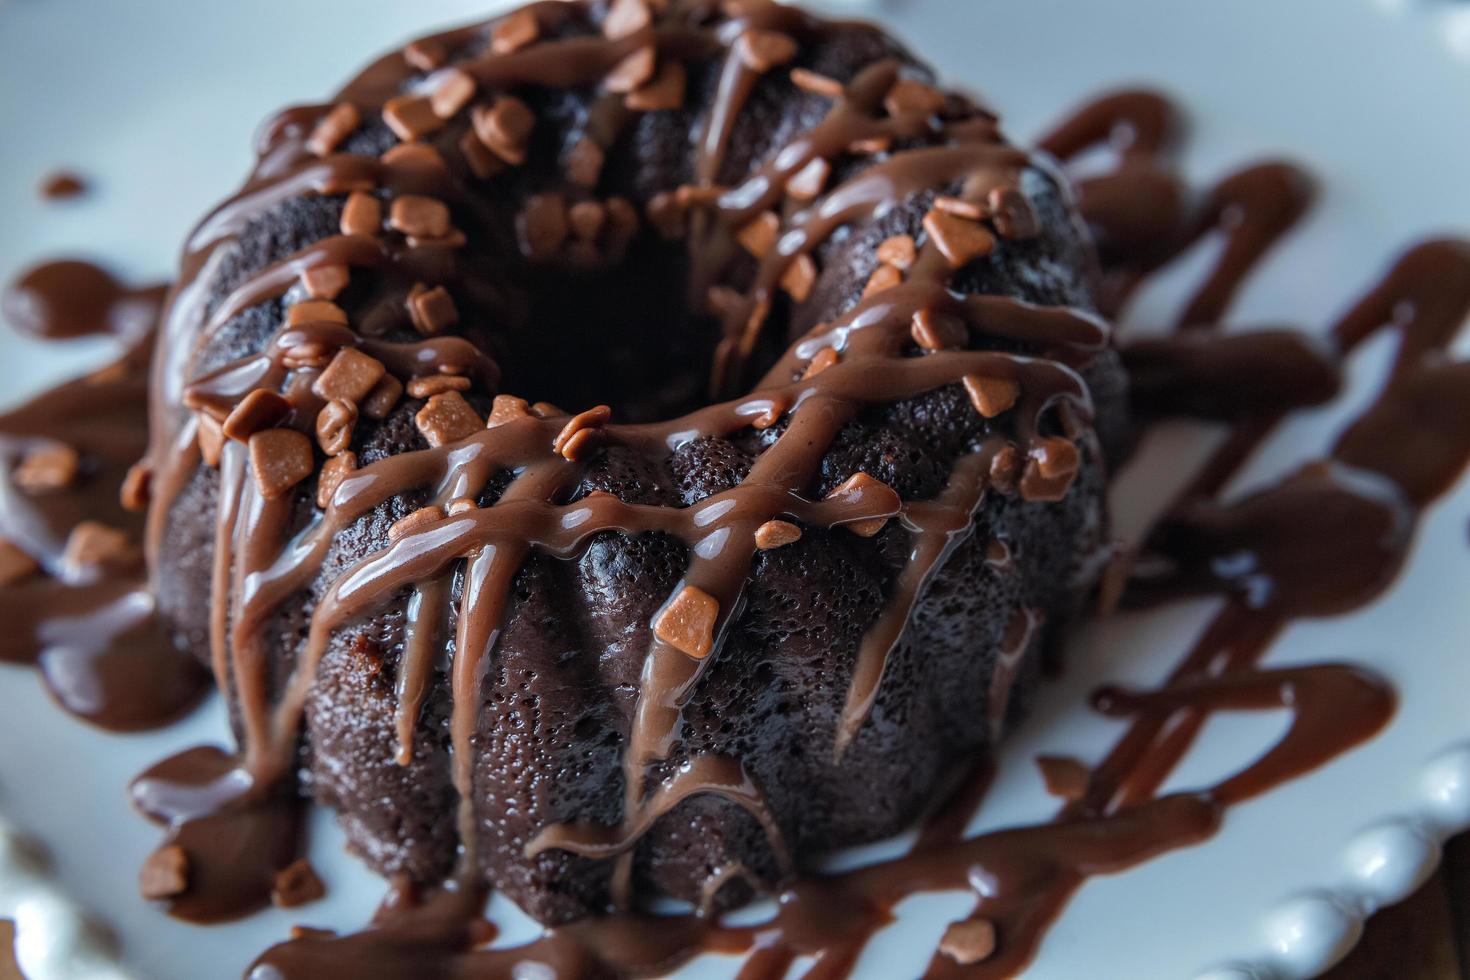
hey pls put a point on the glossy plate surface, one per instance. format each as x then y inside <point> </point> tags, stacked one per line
<point>154,101</point>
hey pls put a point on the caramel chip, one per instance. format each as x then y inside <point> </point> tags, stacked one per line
<point>1005,468</point>
<point>434,384</point>
<point>325,281</point>
<point>431,310</point>
<point>280,459</point>
<point>384,395</point>
<point>505,127</point>
<point>991,396</point>
<point>1065,777</point>
<point>362,214</point>
<point>455,89</point>
<point>776,534</point>
<point>861,489</point>
<point>296,884</point>
<point>567,441</point>
<point>763,50</point>
<point>420,518</point>
<point>425,55</point>
<point>1050,469</point>
<point>960,240</point>
<point>92,544</point>
<point>165,873</point>
<point>330,130</point>
<point>911,96</point>
<point>824,359</point>
<point>334,425</point>
<point>758,236</point>
<point>687,623</point>
<point>543,226</point>
<point>800,277</point>
<point>933,330</point>
<point>810,81</point>
<point>15,565</point>
<point>899,252</point>
<point>315,311</point>
<point>48,468</point>
<point>351,376</point>
<point>808,182</point>
<point>211,439</point>
<point>506,408</point>
<point>411,117</point>
<point>447,417</point>
<point>633,72</point>
<point>883,277</point>
<point>422,217</point>
<point>515,31</point>
<point>969,942</point>
<point>665,92</point>
<point>259,410</point>
<point>1012,213</point>
<point>584,162</point>
<point>626,17</point>
<point>334,471</point>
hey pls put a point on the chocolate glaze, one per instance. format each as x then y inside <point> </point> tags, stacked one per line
<point>72,298</point>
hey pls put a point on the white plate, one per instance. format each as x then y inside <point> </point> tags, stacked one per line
<point>148,99</point>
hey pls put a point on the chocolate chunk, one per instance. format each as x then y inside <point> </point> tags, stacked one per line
<point>351,376</point>
<point>280,459</point>
<point>687,623</point>
<point>447,418</point>
<point>165,873</point>
<point>259,410</point>
<point>296,884</point>
<point>776,534</point>
<point>48,468</point>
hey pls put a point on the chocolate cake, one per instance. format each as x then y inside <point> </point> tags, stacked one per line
<point>829,477</point>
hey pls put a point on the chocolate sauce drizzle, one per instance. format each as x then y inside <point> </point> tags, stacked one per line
<point>1326,539</point>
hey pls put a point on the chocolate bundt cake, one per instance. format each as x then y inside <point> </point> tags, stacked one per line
<point>830,474</point>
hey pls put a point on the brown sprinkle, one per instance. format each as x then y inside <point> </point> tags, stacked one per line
<point>911,96</point>
<point>280,459</point>
<point>626,17</point>
<point>411,117</point>
<point>384,395</point>
<point>763,50</point>
<point>325,281</point>
<point>334,425</point>
<point>991,396</point>
<point>434,384</point>
<point>422,517</point>
<point>933,330</point>
<point>776,534</point>
<point>584,162</point>
<point>961,208</point>
<point>969,942</point>
<point>257,411</point>
<point>315,311</point>
<point>92,544</point>
<point>960,240</point>
<point>296,884</point>
<point>1012,213</point>
<point>759,235</point>
<point>165,873</point>
<point>1065,777</point>
<point>504,127</point>
<point>15,565</point>
<point>431,310</point>
<point>516,31</point>
<point>861,488</point>
<point>333,128</point>
<point>666,91</point>
<point>506,408</point>
<point>587,219</point>
<point>362,214</point>
<point>825,358</point>
<point>687,623</point>
<point>351,376</point>
<point>48,468</point>
<point>446,418</point>
<point>425,55</point>
<point>810,81</point>
<point>633,72</point>
<point>211,439</point>
<point>800,277</point>
<point>455,90</point>
<point>334,471</point>
<point>422,217</point>
<point>593,418</point>
<point>883,277</point>
<point>809,181</point>
<point>543,226</point>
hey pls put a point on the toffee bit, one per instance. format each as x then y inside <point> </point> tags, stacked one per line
<point>516,31</point>
<point>329,132</point>
<point>334,472</point>
<point>969,942</point>
<point>422,217</point>
<point>800,277</point>
<point>165,874</point>
<point>48,469</point>
<point>315,311</point>
<point>425,55</point>
<point>411,117</point>
<point>961,241</point>
<point>625,17</point>
<point>884,277</point>
<point>456,87</point>
<point>991,396</point>
<point>815,84</point>
<point>1065,777</point>
<point>15,564</point>
<point>899,252</point>
<point>575,433</point>
<point>758,236</point>
<point>351,376</point>
<point>507,408</point>
<point>687,623</point>
<point>362,214</point>
<point>296,884</point>
<point>446,418</point>
<point>334,425</point>
<point>776,534</point>
<point>434,384</point>
<point>259,410</point>
<point>384,395</point>
<point>432,311</point>
<point>280,459</point>
<point>325,281</point>
<point>860,489</point>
